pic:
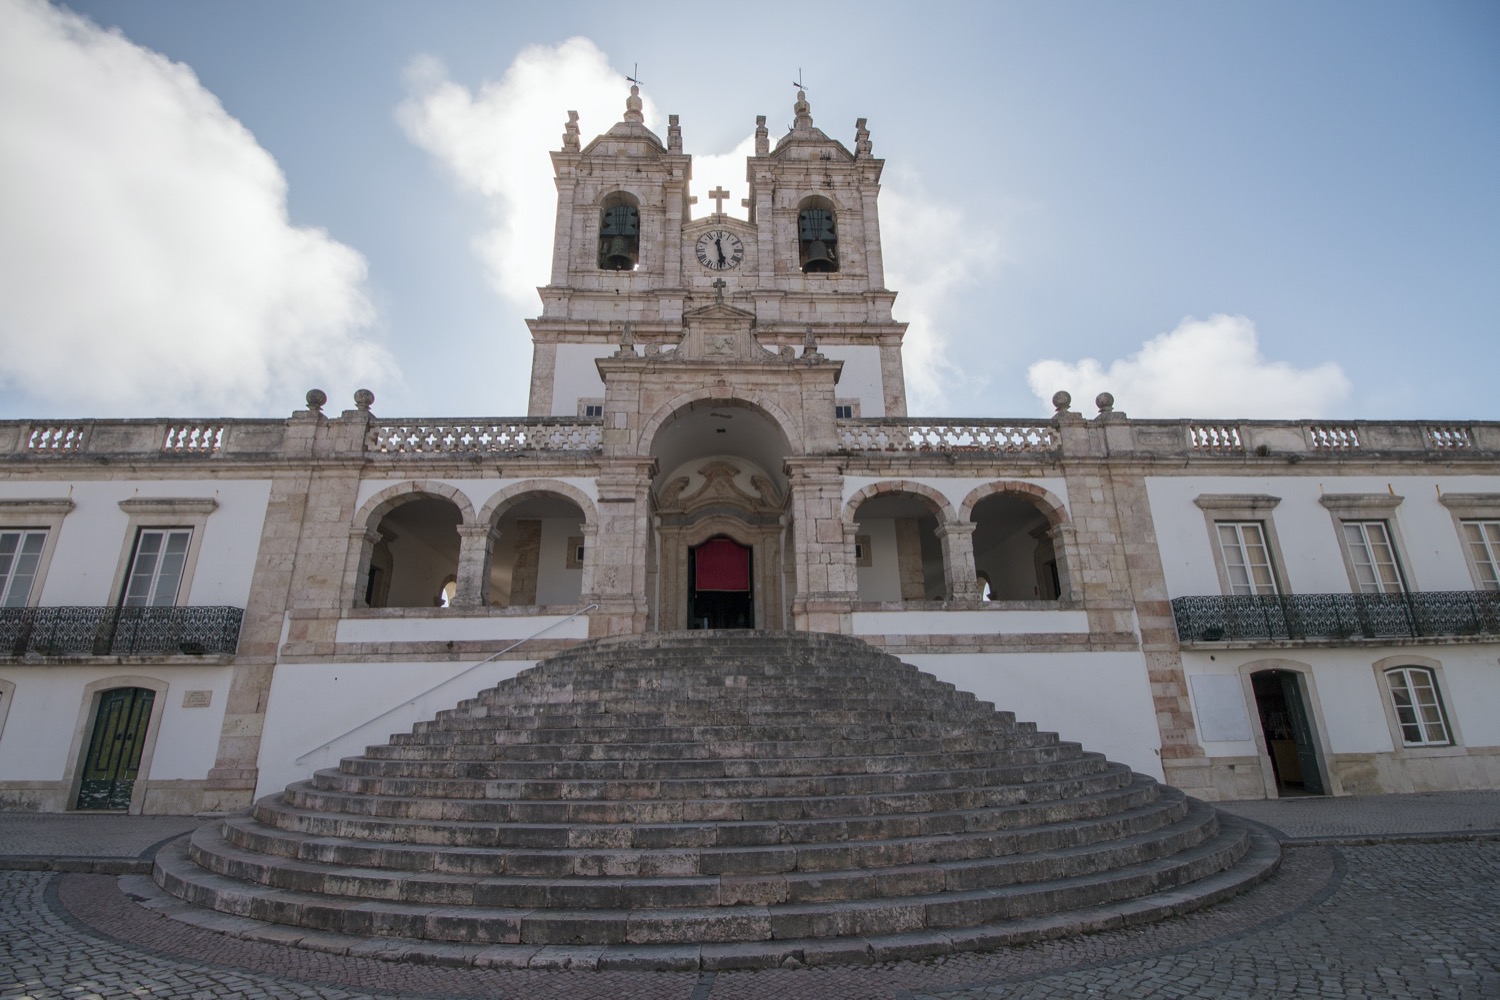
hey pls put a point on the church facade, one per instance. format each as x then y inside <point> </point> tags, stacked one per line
<point>194,613</point>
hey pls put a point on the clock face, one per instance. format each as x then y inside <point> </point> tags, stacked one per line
<point>720,250</point>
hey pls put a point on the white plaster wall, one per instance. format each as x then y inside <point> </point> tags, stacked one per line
<point>993,620</point>
<point>575,376</point>
<point>97,531</point>
<point>50,706</point>
<point>860,378</point>
<point>311,703</point>
<point>455,625</point>
<point>478,491</point>
<point>1350,694</point>
<point>881,580</point>
<point>1101,700</point>
<point>1432,552</point>
<point>556,583</point>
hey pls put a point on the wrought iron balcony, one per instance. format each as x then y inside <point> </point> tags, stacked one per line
<point>73,631</point>
<point>1337,616</point>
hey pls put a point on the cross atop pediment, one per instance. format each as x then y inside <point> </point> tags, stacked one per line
<point>718,194</point>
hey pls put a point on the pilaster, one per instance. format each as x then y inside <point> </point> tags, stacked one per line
<point>960,577</point>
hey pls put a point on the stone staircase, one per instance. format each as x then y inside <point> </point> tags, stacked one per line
<point>717,800</point>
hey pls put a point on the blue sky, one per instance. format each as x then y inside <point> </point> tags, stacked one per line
<point>1261,210</point>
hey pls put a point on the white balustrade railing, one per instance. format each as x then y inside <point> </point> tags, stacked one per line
<point>954,436</point>
<point>57,439</point>
<point>1215,437</point>
<point>469,437</point>
<point>1332,437</point>
<point>1447,437</point>
<point>193,439</point>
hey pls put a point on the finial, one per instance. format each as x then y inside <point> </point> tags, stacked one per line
<point>801,109</point>
<point>570,132</point>
<point>633,102</point>
<point>364,399</point>
<point>863,148</point>
<point>762,136</point>
<point>315,400</point>
<point>1062,399</point>
<point>1106,402</point>
<point>674,134</point>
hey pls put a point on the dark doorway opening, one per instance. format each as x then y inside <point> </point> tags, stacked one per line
<point>719,589</point>
<point>114,756</point>
<point>1287,725</point>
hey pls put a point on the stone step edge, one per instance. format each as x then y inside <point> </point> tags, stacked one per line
<point>1259,863</point>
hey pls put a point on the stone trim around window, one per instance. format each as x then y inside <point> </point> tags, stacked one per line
<point>1255,507</point>
<point>1471,507</point>
<point>163,512</point>
<point>1368,507</point>
<point>1383,668</point>
<point>45,513</point>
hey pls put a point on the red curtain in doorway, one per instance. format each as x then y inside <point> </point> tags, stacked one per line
<point>722,564</point>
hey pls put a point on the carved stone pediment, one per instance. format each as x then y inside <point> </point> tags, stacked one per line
<point>718,489</point>
<point>718,332</point>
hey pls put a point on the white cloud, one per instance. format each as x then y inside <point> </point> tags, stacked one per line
<point>916,232</point>
<point>1203,368</point>
<point>147,263</point>
<point>492,142</point>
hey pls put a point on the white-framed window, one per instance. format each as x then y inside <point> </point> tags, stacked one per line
<point>1372,557</point>
<point>1483,540</point>
<point>1243,537</point>
<point>1247,557</point>
<point>156,567</point>
<point>20,559</point>
<point>1418,706</point>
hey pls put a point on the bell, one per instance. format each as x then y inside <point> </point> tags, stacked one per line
<point>617,255</point>
<point>819,258</point>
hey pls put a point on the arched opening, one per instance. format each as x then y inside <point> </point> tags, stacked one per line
<point>817,236</point>
<point>537,552</point>
<point>1286,721</point>
<point>720,495</point>
<point>1014,549</point>
<point>904,561</point>
<point>619,232</point>
<point>415,554</point>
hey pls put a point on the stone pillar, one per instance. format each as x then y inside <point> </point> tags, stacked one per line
<point>960,577</point>
<point>619,549</point>
<point>474,545</point>
<point>826,583</point>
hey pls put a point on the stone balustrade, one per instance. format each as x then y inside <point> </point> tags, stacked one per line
<point>358,434</point>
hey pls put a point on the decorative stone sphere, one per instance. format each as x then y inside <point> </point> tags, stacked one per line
<point>1062,399</point>
<point>1105,401</point>
<point>364,398</point>
<point>316,398</point>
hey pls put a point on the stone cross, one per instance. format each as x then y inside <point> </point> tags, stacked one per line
<point>718,287</point>
<point>718,194</point>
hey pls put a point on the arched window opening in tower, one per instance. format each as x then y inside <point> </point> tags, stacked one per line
<point>817,237</point>
<point>619,233</point>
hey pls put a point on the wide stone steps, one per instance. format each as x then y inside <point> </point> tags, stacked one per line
<point>751,921</point>
<point>714,799</point>
<point>913,869</point>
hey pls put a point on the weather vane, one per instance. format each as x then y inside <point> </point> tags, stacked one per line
<point>635,71</point>
<point>798,82</point>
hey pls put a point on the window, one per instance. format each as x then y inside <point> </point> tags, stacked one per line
<point>1419,708</point>
<point>1247,558</point>
<point>843,411</point>
<point>156,568</point>
<point>1243,539</point>
<point>593,409</point>
<point>1483,539</point>
<point>20,557</point>
<point>1372,557</point>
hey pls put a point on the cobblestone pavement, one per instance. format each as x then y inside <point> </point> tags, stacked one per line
<point>1369,816</point>
<point>1383,921</point>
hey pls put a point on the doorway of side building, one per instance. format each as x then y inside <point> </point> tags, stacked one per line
<point>1286,722</point>
<point>719,589</point>
<point>113,761</point>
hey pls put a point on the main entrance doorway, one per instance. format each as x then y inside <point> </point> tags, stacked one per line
<point>720,594</point>
<point>114,757</point>
<point>1287,725</point>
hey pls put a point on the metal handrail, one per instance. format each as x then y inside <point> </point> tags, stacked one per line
<point>472,667</point>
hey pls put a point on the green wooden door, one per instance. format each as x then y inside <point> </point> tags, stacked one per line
<point>114,756</point>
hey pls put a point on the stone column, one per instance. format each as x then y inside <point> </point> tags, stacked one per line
<point>826,584</point>
<point>474,546</point>
<point>960,577</point>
